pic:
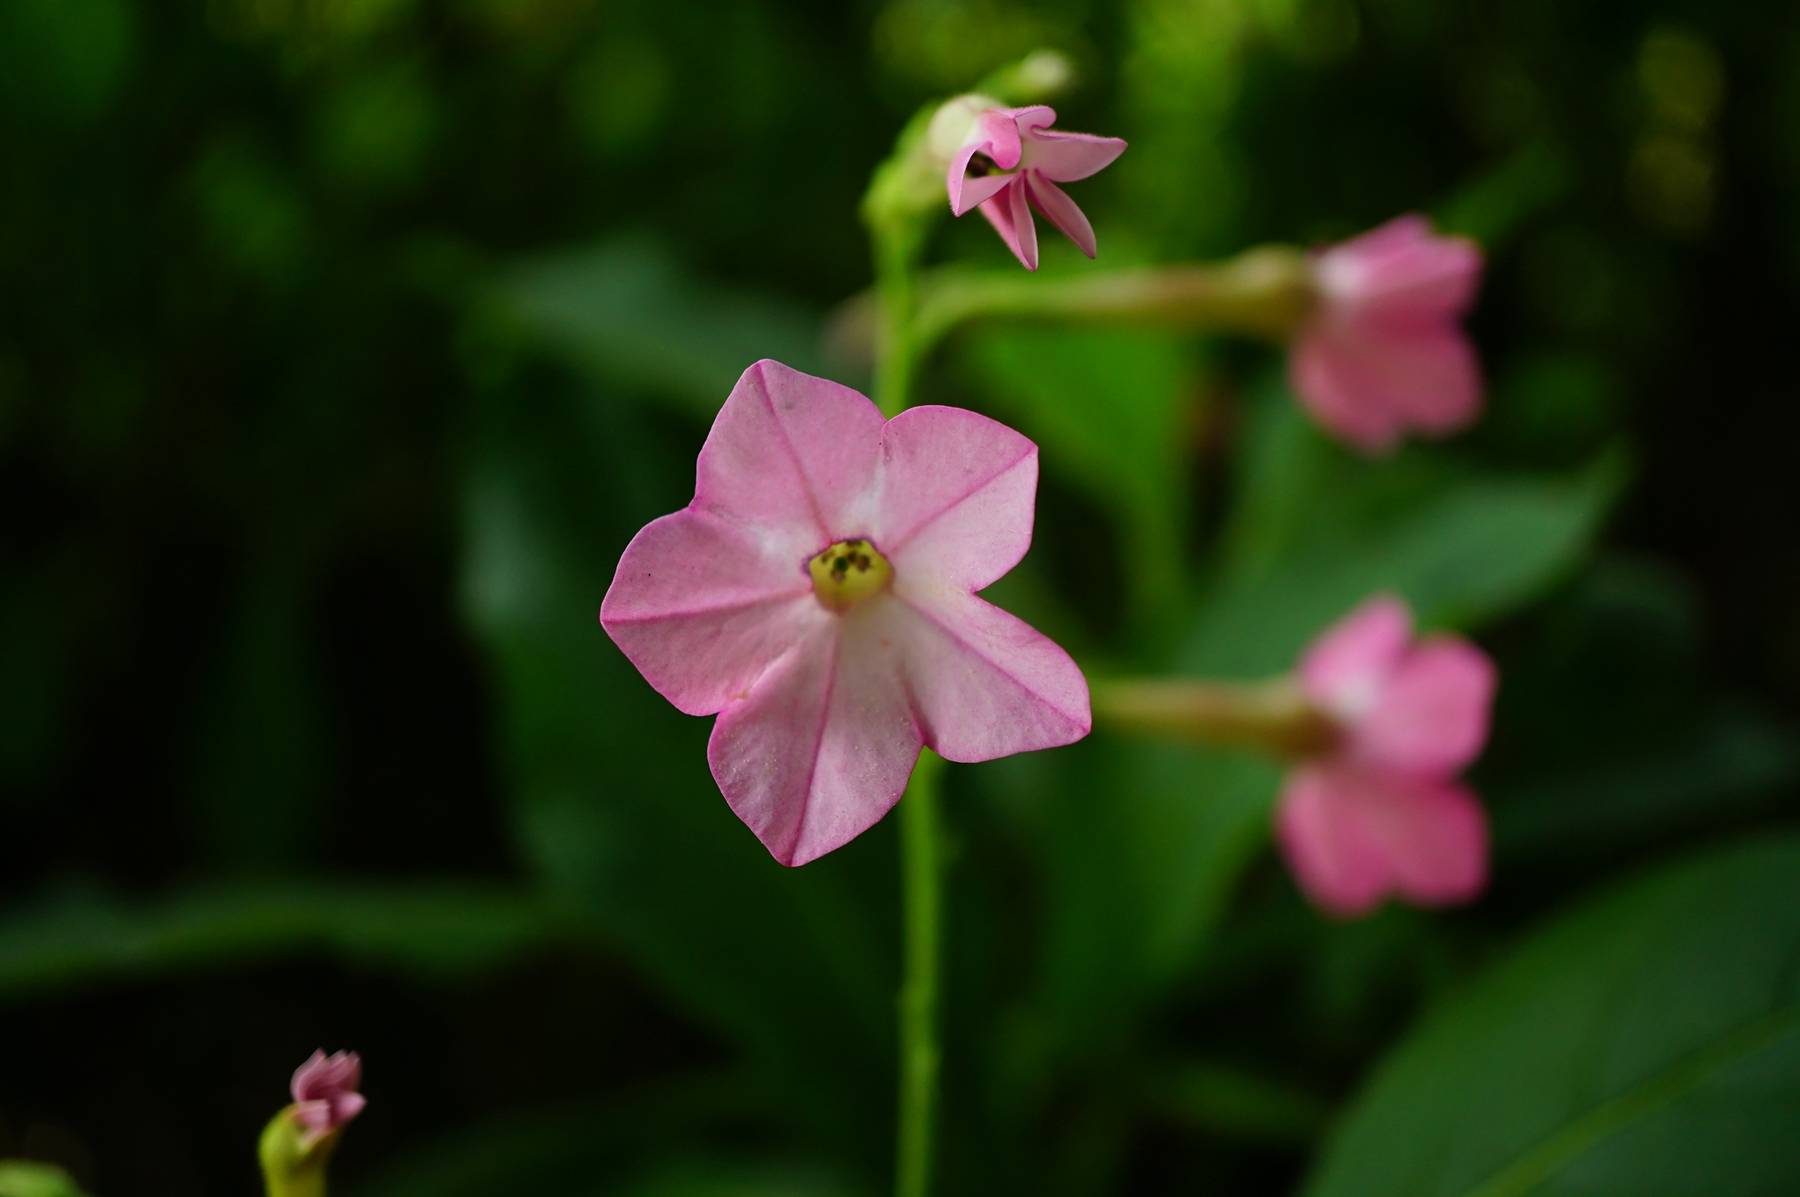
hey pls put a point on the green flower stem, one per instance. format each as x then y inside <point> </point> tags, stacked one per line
<point>1272,717</point>
<point>1264,292</point>
<point>897,247</point>
<point>922,893</point>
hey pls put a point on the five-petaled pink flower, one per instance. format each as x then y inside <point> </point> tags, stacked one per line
<point>1381,811</point>
<point>325,1092</point>
<point>1012,161</point>
<point>1383,352</point>
<point>818,595</point>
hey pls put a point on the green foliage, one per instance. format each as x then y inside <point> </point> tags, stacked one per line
<point>434,931</point>
<point>1647,1043</point>
<point>1110,410</point>
<point>21,1179</point>
<point>628,313</point>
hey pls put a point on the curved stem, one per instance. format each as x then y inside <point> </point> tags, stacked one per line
<point>1262,292</point>
<point>922,904</point>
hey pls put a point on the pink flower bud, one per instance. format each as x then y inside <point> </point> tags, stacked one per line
<point>325,1092</point>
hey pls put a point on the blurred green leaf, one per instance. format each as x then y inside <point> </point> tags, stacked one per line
<point>1656,752</point>
<point>1495,205</point>
<point>429,929</point>
<point>1234,1102</point>
<point>605,1143</point>
<point>628,313</point>
<point>65,59</point>
<point>1315,532</point>
<point>1111,409</point>
<point>1647,1044</point>
<point>21,1178</point>
<point>697,1179</point>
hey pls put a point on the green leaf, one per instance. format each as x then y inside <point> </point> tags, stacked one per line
<point>21,1178</point>
<point>1647,1044</point>
<point>1325,531</point>
<point>608,1144</point>
<point>1655,758</point>
<point>430,929</point>
<point>1109,408</point>
<point>626,312</point>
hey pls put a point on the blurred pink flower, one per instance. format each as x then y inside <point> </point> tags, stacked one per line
<point>1012,161</point>
<point>818,595</point>
<point>1382,812</point>
<point>1384,353</point>
<point>325,1093</point>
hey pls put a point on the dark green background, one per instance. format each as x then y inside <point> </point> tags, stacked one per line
<point>344,343</point>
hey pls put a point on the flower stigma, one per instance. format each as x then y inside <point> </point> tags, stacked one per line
<point>847,573</point>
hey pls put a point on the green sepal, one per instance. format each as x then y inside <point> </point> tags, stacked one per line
<point>293,1163</point>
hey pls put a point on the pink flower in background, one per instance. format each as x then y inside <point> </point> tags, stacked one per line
<point>1382,811</point>
<point>1383,353</point>
<point>325,1092</point>
<point>818,595</point>
<point>1012,161</point>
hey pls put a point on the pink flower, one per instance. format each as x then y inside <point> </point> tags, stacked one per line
<point>1012,161</point>
<point>1382,812</point>
<point>325,1095</point>
<point>1383,353</point>
<point>818,595</point>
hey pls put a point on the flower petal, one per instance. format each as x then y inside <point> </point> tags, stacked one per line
<point>1024,227</point>
<point>1063,212</point>
<point>1347,667</point>
<point>1324,376</point>
<point>822,746</point>
<point>957,496</point>
<point>702,605</point>
<point>326,1077</point>
<point>1011,218</point>
<point>1437,843</point>
<point>1066,157</point>
<point>1354,835</point>
<point>984,683</point>
<point>793,455</point>
<point>347,1106</point>
<point>967,191</point>
<point>1338,864</point>
<point>314,1116</point>
<point>997,134</point>
<point>1402,273</point>
<point>1432,715</point>
<point>1370,384</point>
<point>308,1079</point>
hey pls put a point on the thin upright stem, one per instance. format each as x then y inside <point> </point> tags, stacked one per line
<point>921,882</point>
<point>896,345</point>
<point>922,905</point>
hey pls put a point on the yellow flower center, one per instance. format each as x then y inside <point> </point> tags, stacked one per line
<point>847,573</point>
